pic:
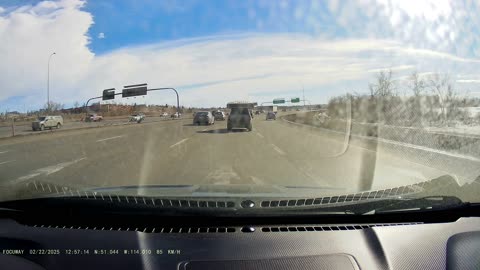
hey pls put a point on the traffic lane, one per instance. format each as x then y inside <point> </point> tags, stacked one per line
<point>209,156</point>
<point>206,155</point>
<point>39,152</point>
<point>6,131</point>
<point>218,157</point>
<point>332,160</point>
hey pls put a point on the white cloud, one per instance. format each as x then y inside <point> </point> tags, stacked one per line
<point>101,35</point>
<point>468,81</point>
<point>207,71</point>
<point>439,25</point>
<point>393,69</point>
<point>30,34</point>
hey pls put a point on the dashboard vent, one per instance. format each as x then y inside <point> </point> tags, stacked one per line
<point>168,230</point>
<point>370,195</point>
<point>322,228</point>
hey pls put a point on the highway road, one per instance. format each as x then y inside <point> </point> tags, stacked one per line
<point>176,152</point>
<point>6,131</point>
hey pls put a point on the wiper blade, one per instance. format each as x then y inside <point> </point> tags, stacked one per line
<point>428,203</point>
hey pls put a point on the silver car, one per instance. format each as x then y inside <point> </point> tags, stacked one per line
<point>49,122</point>
<point>203,118</point>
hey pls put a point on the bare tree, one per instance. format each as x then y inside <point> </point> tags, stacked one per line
<point>384,86</point>
<point>53,107</point>
<point>382,98</point>
<point>442,88</point>
<point>417,85</point>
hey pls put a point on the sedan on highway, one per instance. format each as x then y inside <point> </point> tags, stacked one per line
<point>219,116</point>
<point>137,117</point>
<point>271,116</point>
<point>94,118</point>
<point>206,118</point>
<point>175,115</point>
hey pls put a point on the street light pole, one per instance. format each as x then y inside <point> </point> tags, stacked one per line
<point>48,81</point>
<point>303,91</point>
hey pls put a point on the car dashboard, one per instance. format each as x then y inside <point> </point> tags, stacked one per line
<point>392,245</point>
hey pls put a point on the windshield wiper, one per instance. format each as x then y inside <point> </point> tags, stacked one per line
<point>413,203</point>
<point>429,203</point>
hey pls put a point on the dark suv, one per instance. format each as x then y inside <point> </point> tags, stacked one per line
<point>240,118</point>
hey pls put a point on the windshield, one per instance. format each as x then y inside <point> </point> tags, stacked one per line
<point>321,98</point>
<point>239,111</point>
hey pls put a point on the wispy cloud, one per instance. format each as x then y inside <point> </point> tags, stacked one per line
<point>208,71</point>
<point>396,68</point>
<point>101,35</point>
<point>468,81</point>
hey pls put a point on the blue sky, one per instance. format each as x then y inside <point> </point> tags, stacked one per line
<point>214,51</point>
<point>129,23</point>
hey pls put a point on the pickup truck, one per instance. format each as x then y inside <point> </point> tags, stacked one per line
<point>94,118</point>
<point>49,122</point>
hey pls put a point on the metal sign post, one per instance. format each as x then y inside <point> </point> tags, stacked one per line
<point>132,91</point>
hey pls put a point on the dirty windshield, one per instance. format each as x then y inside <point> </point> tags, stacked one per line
<point>345,100</point>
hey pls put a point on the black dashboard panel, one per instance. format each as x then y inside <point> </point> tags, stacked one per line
<point>463,251</point>
<point>417,246</point>
<point>332,262</point>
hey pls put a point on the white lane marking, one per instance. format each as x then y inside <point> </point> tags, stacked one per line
<point>276,148</point>
<point>260,135</point>
<point>28,176</point>
<point>111,138</point>
<point>205,129</point>
<point>48,170</point>
<point>8,161</point>
<point>180,142</point>
<point>3,152</point>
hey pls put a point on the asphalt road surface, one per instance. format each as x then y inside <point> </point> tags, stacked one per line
<point>176,152</point>
<point>6,131</point>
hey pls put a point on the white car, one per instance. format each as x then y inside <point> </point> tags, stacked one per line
<point>164,114</point>
<point>176,115</point>
<point>137,117</point>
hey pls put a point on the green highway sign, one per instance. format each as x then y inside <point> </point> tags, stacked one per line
<point>134,90</point>
<point>295,100</point>
<point>108,94</point>
<point>279,101</point>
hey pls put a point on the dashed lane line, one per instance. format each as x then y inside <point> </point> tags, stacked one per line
<point>111,138</point>
<point>178,143</point>
<point>276,148</point>
<point>48,170</point>
<point>5,162</point>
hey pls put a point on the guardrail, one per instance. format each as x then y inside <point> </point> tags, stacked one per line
<point>455,143</point>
